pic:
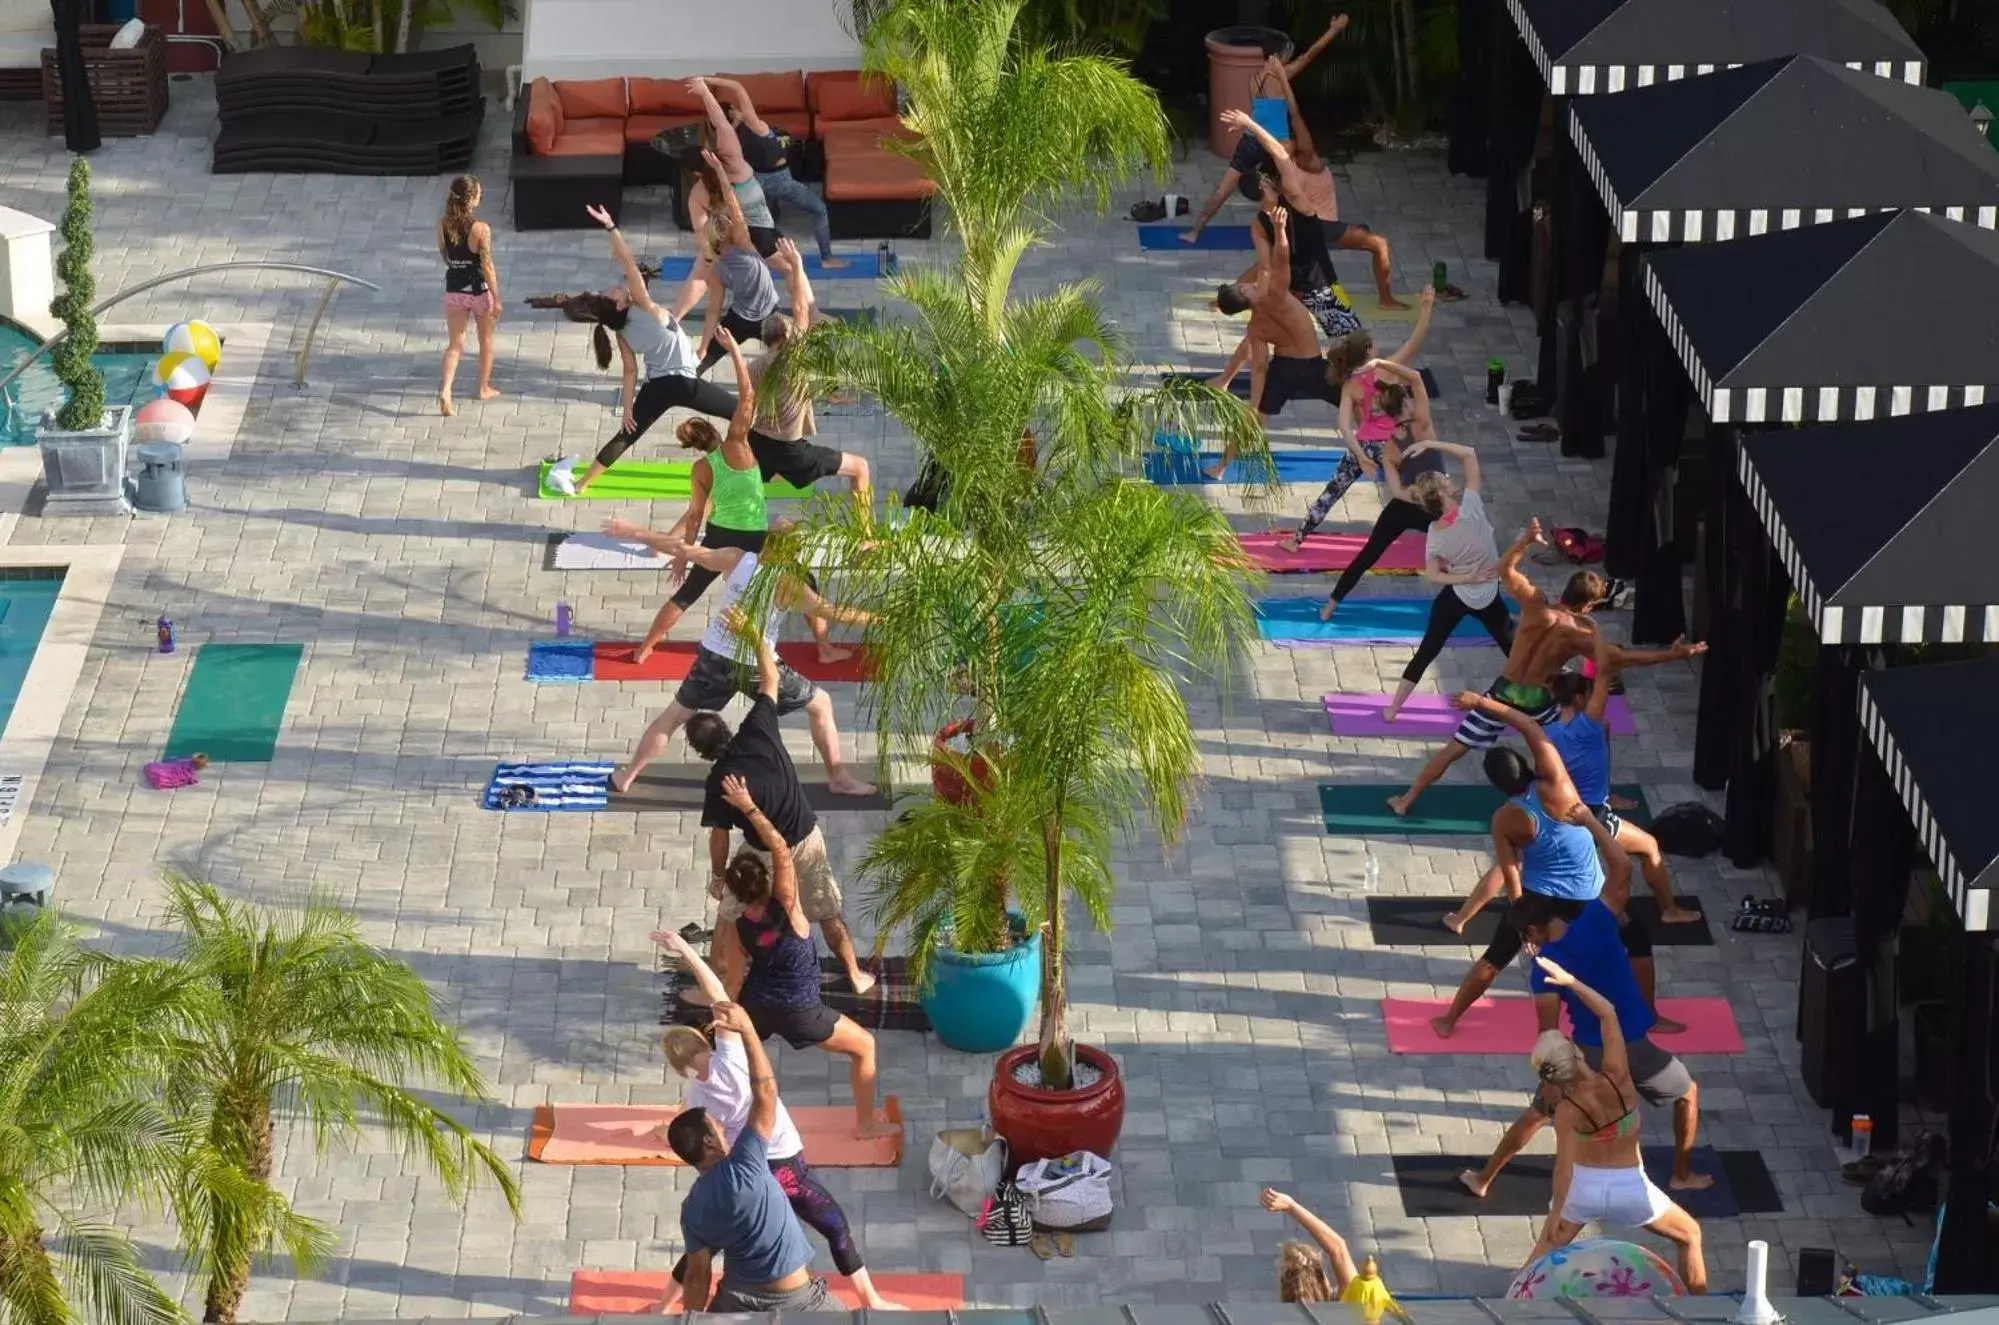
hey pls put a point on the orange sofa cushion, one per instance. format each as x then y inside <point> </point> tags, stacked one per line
<point>591,142</point>
<point>544,123</point>
<point>860,135</point>
<point>592,98</point>
<point>781,91</point>
<point>844,95</point>
<point>875,177</point>
<point>641,128</point>
<point>661,96</point>
<point>794,122</point>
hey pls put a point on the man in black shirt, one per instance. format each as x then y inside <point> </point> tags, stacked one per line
<point>755,753</point>
<point>767,153</point>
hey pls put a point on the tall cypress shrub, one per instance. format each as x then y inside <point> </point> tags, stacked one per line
<point>71,357</point>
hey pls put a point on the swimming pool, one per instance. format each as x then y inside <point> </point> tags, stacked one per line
<point>27,596</point>
<point>127,370</point>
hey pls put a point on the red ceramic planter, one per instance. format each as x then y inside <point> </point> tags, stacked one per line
<point>1047,1124</point>
<point>945,779</point>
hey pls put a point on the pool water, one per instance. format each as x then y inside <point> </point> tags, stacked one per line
<point>25,605</point>
<point>128,380</point>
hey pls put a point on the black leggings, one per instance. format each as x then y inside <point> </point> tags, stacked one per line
<point>656,396</point>
<point>741,328</point>
<point>700,577</point>
<point>1445,613</point>
<point>1398,517</point>
<point>813,1205</point>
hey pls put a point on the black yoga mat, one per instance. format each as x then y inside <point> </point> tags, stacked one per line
<point>681,789</point>
<point>890,1006</point>
<point>1416,922</point>
<point>1430,1187</point>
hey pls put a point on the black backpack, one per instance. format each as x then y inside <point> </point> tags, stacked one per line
<point>1908,1181</point>
<point>1688,829</point>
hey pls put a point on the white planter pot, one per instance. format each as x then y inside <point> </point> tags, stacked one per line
<point>85,471</point>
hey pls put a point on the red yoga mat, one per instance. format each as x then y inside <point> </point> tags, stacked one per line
<point>1508,1026</point>
<point>641,1292</point>
<point>671,661</point>
<point>1323,552</point>
<point>1425,717</point>
<point>628,1134</point>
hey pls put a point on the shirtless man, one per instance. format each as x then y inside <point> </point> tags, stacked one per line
<point>1284,357</point>
<point>1548,635</point>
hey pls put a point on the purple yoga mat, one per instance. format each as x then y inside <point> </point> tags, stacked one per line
<point>1426,716</point>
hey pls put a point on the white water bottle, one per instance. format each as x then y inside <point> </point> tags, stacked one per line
<point>1370,874</point>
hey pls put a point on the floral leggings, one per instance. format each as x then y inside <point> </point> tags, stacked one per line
<point>1336,487</point>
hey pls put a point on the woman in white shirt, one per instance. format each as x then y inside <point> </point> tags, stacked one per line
<point>718,1081</point>
<point>1460,554</point>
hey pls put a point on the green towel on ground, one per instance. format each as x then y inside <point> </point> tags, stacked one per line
<point>235,702</point>
<point>1360,809</point>
<point>650,480</point>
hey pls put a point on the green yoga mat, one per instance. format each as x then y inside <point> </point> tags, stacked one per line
<point>1360,809</point>
<point>235,702</point>
<point>649,480</point>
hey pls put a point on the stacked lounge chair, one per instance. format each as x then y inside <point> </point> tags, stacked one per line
<point>293,108</point>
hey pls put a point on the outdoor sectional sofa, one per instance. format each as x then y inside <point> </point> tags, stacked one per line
<point>578,143</point>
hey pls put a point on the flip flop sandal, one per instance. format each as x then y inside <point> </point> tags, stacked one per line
<point>1539,432</point>
<point>695,932</point>
<point>1042,1246</point>
<point>1066,1243</point>
<point>1451,294</point>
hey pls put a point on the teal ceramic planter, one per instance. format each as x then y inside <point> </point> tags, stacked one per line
<point>981,1001</point>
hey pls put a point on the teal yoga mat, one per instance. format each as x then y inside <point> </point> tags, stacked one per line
<point>1360,809</point>
<point>1384,621</point>
<point>235,702</point>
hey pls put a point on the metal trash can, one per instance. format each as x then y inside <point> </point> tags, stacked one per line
<point>1832,1010</point>
<point>161,484</point>
<point>1234,56</point>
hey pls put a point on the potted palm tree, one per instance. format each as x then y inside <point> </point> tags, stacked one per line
<point>1050,595</point>
<point>84,445</point>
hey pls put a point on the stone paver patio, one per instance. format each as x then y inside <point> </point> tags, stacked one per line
<point>405,552</point>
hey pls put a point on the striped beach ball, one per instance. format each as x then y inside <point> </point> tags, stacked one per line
<point>183,376</point>
<point>196,338</point>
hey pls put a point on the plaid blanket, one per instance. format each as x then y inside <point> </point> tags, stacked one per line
<point>890,1006</point>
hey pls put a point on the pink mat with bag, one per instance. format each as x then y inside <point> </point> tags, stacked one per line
<point>1329,552</point>
<point>1508,1026</point>
<point>1428,717</point>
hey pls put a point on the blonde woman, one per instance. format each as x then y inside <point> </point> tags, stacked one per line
<point>471,286</point>
<point>717,1073</point>
<point>1301,1270</point>
<point>1599,1171</point>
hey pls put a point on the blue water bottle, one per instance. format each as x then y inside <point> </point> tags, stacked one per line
<point>165,626</point>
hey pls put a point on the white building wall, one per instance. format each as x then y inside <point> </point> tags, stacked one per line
<point>679,38</point>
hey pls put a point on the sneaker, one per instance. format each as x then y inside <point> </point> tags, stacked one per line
<point>562,475</point>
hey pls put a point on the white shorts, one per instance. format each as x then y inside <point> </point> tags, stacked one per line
<point>1624,1198</point>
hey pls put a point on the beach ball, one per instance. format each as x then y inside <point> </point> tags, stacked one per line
<point>196,338</point>
<point>183,377</point>
<point>163,420</point>
<point>1596,1269</point>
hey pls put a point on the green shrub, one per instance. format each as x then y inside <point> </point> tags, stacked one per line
<point>72,356</point>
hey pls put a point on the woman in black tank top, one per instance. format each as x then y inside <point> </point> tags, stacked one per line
<point>471,286</point>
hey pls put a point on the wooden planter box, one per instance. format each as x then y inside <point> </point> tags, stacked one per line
<point>130,87</point>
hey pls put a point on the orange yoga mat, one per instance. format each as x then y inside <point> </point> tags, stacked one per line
<point>1508,1026</point>
<point>642,1292</point>
<point>625,1134</point>
<point>671,661</point>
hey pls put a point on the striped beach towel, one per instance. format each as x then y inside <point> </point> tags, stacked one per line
<point>545,787</point>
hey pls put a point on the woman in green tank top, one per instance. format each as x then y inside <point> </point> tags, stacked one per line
<point>728,492</point>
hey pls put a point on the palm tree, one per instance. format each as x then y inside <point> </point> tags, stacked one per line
<point>293,1012</point>
<point>81,1130</point>
<point>1067,599</point>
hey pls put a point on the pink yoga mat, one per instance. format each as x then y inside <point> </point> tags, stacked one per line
<point>648,1292</point>
<point>1333,552</point>
<point>627,1134</point>
<point>1426,717</point>
<point>1507,1026</point>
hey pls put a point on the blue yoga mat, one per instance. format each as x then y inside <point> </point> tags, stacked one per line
<point>860,267</point>
<point>1165,238</point>
<point>1176,468</point>
<point>569,786</point>
<point>1360,621</point>
<point>561,660</point>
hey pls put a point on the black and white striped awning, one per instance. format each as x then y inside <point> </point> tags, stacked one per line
<point>1912,563</point>
<point>1932,727</point>
<point>1610,46</point>
<point>1877,317</point>
<point>1747,153</point>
